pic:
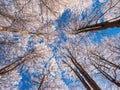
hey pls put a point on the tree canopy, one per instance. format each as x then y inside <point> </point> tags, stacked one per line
<point>59,45</point>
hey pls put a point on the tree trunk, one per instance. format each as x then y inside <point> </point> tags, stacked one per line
<point>98,27</point>
<point>85,74</point>
<point>107,76</point>
<point>80,77</point>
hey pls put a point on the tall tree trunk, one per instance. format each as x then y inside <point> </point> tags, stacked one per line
<point>87,77</point>
<point>83,72</point>
<point>99,26</point>
<point>15,64</point>
<point>79,76</point>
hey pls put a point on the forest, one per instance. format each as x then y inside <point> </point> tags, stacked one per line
<point>59,44</point>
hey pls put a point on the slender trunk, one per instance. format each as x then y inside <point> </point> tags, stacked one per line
<point>85,74</point>
<point>107,76</point>
<point>110,63</point>
<point>11,66</point>
<point>88,78</point>
<point>24,32</point>
<point>41,83</point>
<point>83,81</point>
<point>99,26</point>
<point>14,65</point>
<point>80,78</point>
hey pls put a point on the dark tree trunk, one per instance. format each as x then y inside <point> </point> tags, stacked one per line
<point>80,77</point>
<point>98,27</point>
<point>83,72</point>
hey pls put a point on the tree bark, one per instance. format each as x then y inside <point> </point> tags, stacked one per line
<point>98,27</point>
<point>80,77</point>
<point>15,64</point>
<point>83,72</point>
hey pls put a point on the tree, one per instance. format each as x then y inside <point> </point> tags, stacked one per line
<point>96,20</point>
<point>106,64</point>
<point>89,80</point>
<point>93,60</point>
